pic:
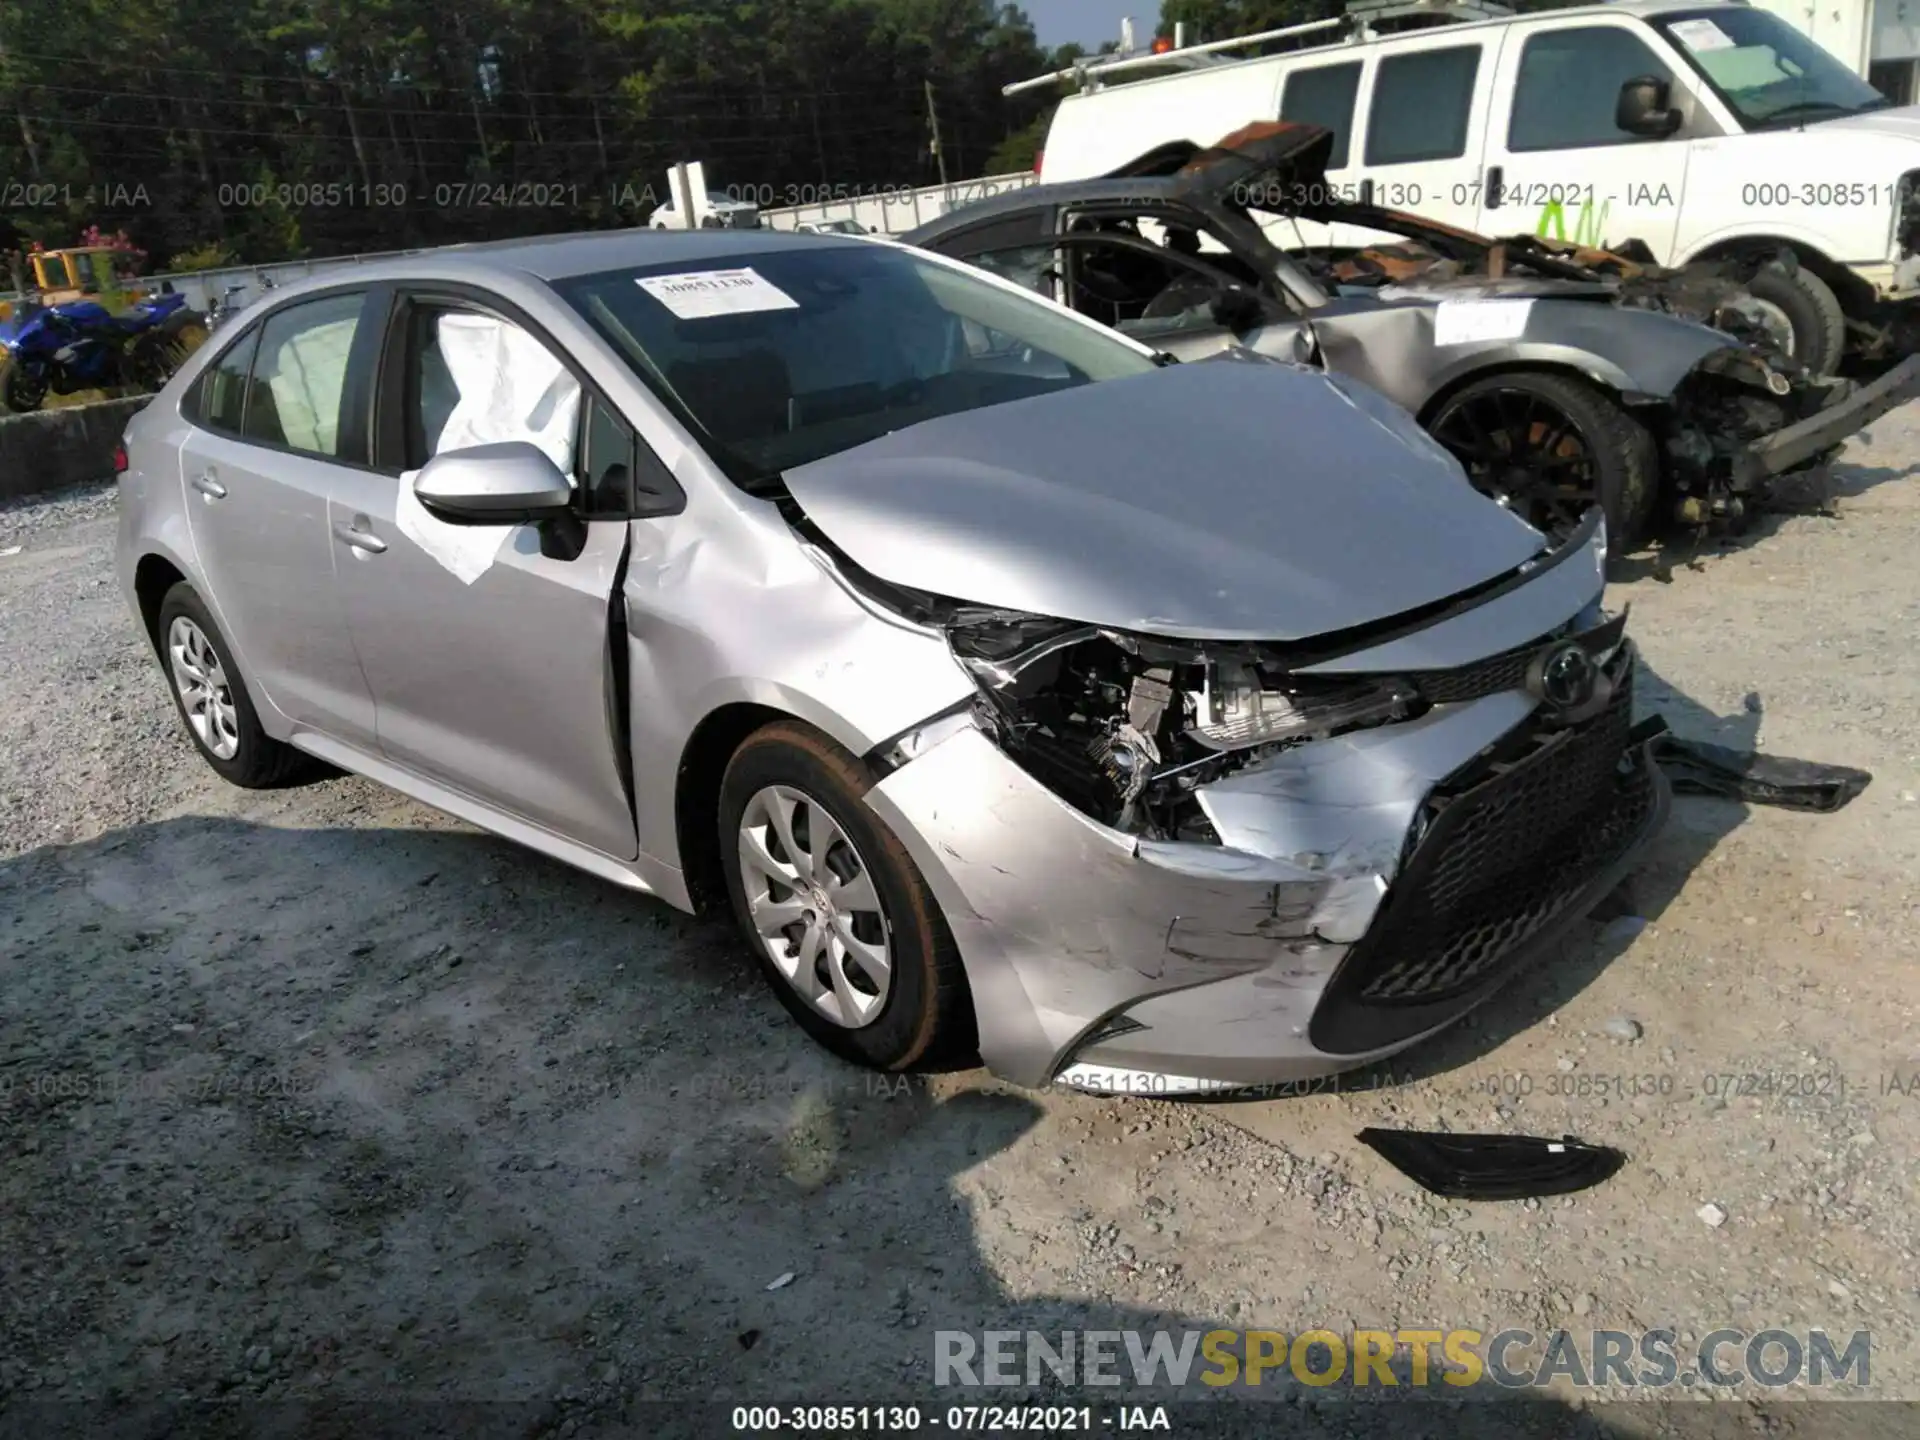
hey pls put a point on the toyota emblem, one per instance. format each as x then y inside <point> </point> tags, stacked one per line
<point>1565,678</point>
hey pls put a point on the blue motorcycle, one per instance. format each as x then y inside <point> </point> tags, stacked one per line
<point>81,345</point>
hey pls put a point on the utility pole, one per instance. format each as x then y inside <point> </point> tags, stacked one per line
<point>933,126</point>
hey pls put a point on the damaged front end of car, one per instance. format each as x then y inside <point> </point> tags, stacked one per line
<point>1205,866</point>
<point>1746,431</point>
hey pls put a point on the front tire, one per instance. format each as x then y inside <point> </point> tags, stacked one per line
<point>1550,447</point>
<point>21,392</point>
<point>1807,306</point>
<point>212,698</point>
<point>838,915</point>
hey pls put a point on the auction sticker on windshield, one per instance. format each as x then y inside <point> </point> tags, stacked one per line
<point>698,294</point>
<point>1699,35</point>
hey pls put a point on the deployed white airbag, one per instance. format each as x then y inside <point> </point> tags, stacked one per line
<point>509,387</point>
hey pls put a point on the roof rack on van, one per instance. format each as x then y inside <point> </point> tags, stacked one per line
<point>1357,23</point>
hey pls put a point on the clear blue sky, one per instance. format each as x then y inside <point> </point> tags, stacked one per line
<point>1090,21</point>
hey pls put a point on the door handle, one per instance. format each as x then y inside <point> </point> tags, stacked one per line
<point>209,487</point>
<point>1496,175</point>
<point>360,539</point>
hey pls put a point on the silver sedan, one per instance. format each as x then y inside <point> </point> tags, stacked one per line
<point>1021,694</point>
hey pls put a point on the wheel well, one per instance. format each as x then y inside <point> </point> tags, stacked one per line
<point>1519,367</point>
<point>152,578</point>
<point>696,797</point>
<point>1854,294</point>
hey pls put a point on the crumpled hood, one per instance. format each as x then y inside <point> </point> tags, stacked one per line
<point>1230,499</point>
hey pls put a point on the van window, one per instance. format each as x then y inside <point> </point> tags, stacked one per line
<point>1569,83</point>
<point>1421,105</point>
<point>1767,72</point>
<point>1324,96</point>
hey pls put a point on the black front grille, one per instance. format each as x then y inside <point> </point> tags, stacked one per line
<point>1505,671</point>
<point>1511,847</point>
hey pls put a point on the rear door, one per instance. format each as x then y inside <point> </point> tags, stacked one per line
<point>1557,164</point>
<point>489,649</point>
<point>277,428</point>
<point>1425,127</point>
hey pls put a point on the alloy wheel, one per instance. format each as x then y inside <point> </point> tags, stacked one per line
<point>206,695</point>
<point>1524,452</point>
<point>814,905</point>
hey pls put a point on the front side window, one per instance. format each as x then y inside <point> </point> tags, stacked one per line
<point>475,379</point>
<point>1569,85</point>
<point>1422,104</point>
<point>1766,71</point>
<point>300,375</point>
<point>782,356</point>
<point>1324,96</point>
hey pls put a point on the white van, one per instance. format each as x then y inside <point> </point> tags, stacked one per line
<point>1706,131</point>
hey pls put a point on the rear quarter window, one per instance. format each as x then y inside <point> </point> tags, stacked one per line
<point>1323,95</point>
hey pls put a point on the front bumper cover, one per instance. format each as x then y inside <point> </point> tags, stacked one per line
<point>1799,444</point>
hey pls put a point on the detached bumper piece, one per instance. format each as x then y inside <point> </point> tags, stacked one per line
<point>1493,1167</point>
<point>1808,439</point>
<point>1515,850</point>
<point>1696,768</point>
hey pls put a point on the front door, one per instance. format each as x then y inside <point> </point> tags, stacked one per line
<point>1565,170</point>
<point>488,648</point>
<point>266,452</point>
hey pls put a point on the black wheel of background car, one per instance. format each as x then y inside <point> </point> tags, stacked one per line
<point>20,390</point>
<point>839,916</point>
<point>1805,305</point>
<point>1550,447</point>
<point>213,701</point>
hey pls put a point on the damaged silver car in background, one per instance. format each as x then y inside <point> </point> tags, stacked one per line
<point>1557,386</point>
<point>1142,727</point>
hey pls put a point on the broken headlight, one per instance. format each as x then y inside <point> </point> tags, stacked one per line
<point>1237,708</point>
<point>1125,728</point>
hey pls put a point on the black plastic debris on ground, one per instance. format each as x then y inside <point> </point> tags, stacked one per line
<point>1697,768</point>
<point>1493,1167</point>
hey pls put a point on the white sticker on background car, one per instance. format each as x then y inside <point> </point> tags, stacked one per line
<point>699,294</point>
<point>1699,35</point>
<point>1473,322</point>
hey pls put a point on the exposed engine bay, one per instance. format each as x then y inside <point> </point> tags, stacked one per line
<point>1125,728</point>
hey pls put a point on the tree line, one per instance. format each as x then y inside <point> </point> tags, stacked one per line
<point>242,131</point>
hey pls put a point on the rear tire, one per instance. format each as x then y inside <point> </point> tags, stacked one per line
<point>1517,431</point>
<point>1812,312</point>
<point>212,698</point>
<point>855,891</point>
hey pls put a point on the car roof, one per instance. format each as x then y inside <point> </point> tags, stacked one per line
<point>561,257</point>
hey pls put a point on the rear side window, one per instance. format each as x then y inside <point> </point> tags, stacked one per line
<point>1421,105</point>
<point>1324,96</point>
<point>300,375</point>
<point>222,391</point>
<point>1569,83</point>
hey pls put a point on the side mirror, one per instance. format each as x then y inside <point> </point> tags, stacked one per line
<point>510,483</point>
<point>1643,107</point>
<point>1237,310</point>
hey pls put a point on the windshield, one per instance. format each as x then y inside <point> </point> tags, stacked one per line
<point>1767,72</point>
<point>779,357</point>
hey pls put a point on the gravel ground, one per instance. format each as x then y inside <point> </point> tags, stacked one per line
<point>316,1094</point>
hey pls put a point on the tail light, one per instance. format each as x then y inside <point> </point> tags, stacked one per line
<point>120,458</point>
<point>1039,156</point>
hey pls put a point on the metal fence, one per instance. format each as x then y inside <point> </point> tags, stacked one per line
<point>887,213</point>
<point>896,212</point>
